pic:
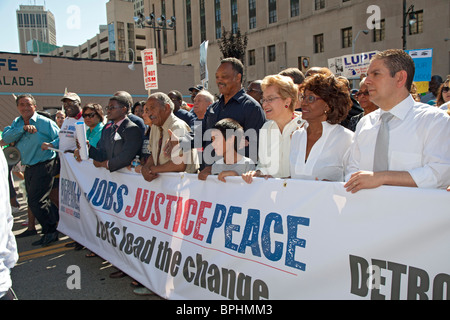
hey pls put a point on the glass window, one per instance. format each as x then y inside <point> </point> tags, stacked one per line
<point>251,58</point>
<point>272,11</point>
<point>272,53</point>
<point>319,4</point>
<point>234,16</point>
<point>252,14</point>
<point>417,27</point>
<point>347,37</point>
<point>379,34</point>
<point>295,8</point>
<point>318,43</point>
<point>218,18</point>
<point>189,23</point>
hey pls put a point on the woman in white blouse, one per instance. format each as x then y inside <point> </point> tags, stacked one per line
<point>319,148</point>
<point>280,96</point>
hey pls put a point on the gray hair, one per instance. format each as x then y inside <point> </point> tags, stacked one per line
<point>207,95</point>
<point>162,99</point>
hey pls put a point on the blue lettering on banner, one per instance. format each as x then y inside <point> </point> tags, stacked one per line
<point>107,194</point>
<point>251,234</point>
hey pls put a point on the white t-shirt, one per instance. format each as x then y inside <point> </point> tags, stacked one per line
<point>326,160</point>
<point>418,143</point>
<point>68,135</point>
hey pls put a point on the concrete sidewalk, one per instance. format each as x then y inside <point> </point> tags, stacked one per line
<point>44,273</point>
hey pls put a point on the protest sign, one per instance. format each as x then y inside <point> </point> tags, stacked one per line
<point>150,69</point>
<point>274,239</point>
<point>351,66</point>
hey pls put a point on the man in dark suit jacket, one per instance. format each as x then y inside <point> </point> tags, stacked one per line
<point>121,139</point>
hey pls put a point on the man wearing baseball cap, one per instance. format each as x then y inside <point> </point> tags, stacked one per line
<point>195,90</point>
<point>67,135</point>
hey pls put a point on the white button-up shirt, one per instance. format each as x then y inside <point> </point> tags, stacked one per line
<point>327,156</point>
<point>8,246</point>
<point>275,146</point>
<point>419,143</point>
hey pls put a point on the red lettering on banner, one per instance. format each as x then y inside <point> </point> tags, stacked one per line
<point>145,201</point>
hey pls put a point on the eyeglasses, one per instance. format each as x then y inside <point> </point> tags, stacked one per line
<point>89,115</point>
<point>309,99</point>
<point>445,89</point>
<point>251,90</point>
<point>360,93</point>
<point>269,100</point>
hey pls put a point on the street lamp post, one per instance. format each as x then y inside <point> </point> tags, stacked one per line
<point>412,20</point>
<point>156,24</point>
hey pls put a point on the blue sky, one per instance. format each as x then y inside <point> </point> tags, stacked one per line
<point>92,13</point>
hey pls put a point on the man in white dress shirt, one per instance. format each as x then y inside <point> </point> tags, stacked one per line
<point>418,151</point>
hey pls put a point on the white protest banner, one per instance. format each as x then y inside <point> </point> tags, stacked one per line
<point>150,69</point>
<point>274,239</point>
<point>351,66</point>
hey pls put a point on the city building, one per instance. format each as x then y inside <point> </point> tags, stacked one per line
<point>93,80</point>
<point>34,23</point>
<point>281,34</point>
<point>119,40</point>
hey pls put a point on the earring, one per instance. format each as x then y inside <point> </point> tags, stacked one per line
<point>286,106</point>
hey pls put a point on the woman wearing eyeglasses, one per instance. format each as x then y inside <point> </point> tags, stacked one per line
<point>93,118</point>
<point>364,101</point>
<point>443,97</point>
<point>280,96</point>
<point>318,149</point>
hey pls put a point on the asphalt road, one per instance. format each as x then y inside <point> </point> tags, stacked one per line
<point>49,273</point>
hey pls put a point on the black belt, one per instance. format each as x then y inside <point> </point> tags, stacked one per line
<point>39,163</point>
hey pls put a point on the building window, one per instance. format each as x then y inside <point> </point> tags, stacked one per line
<point>218,16</point>
<point>251,57</point>
<point>189,23</point>
<point>175,46</point>
<point>163,12</point>
<point>272,53</point>
<point>295,8</point>
<point>379,34</point>
<point>252,14</point>
<point>347,37</point>
<point>318,43</point>
<point>418,26</point>
<point>272,11</point>
<point>234,16</point>
<point>319,4</point>
<point>202,21</point>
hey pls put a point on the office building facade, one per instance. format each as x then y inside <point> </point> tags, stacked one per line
<point>35,23</point>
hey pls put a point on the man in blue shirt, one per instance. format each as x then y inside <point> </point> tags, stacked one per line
<point>233,103</point>
<point>30,131</point>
